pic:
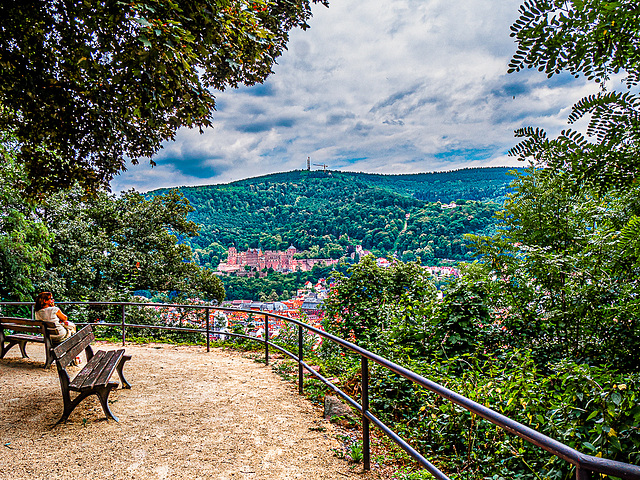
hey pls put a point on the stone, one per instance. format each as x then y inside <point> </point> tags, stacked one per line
<point>337,411</point>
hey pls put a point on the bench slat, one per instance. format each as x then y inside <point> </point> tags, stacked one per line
<point>32,329</point>
<point>91,380</point>
<point>68,350</point>
<point>97,372</point>
<point>109,365</point>
<point>86,375</point>
<point>18,320</point>
<point>22,321</point>
<point>27,338</point>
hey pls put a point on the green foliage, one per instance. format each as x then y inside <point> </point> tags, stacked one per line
<point>107,247</point>
<point>597,39</point>
<point>355,452</point>
<point>463,318</point>
<point>591,409</point>
<point>477,184</point>
<point>566,281</point>
<point>468,343</point>
<point>408,473</point>
<point>590,37</point>
<point>25,242</point>
<point>288,339</point>
<point>371,299</point>
<point>87,84</point>
<point>314,389</point>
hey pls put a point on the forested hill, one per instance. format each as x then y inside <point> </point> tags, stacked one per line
<point>446,187</point>
<point>325,213</point>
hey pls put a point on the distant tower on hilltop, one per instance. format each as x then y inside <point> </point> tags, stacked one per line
<point>308,163</point>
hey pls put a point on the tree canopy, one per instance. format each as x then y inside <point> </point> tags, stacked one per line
<point>109,247</point>
<point>598,39</point>
<point>25,242</point>
<point>86,85</point>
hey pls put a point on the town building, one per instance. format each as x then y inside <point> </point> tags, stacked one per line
<point>255,259</point>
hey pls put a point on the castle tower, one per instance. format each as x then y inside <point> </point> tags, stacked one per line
<point>232,257</point>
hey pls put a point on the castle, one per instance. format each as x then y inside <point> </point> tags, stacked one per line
<point>257,259</point>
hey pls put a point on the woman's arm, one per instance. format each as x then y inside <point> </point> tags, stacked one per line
<point>61,315</point>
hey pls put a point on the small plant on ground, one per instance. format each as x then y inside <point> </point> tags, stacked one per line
<point>409,473</point>
<point>355,452</point>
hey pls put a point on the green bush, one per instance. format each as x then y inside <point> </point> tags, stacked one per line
<point>592,409</point>
<point>288,339</point>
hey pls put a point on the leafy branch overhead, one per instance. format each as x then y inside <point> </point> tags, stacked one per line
<point>85,85</point>
<point>598,39</point>
<point>591,37</point>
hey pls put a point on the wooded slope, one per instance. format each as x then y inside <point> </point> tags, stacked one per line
<point>324,213</point>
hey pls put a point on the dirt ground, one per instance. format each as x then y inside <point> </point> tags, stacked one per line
<point>189,415</point>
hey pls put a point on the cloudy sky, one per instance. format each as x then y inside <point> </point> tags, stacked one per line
<point>383,86</point>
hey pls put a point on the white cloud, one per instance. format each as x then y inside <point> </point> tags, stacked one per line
<point>387,86</point>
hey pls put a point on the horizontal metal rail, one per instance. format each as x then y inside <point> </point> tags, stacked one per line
<point>585,464</point>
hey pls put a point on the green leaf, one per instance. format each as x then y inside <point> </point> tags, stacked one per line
<point>592,415</point>
<point>616,398</point>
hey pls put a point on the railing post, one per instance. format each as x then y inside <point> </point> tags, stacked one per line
<point>366,453</point>
<point>300,358</point>
<point>208,330</point>
<point>123,333</point>
<point>266,340</point>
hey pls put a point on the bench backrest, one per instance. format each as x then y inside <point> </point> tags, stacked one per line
<point>68,350</point>
<point>27,325</point>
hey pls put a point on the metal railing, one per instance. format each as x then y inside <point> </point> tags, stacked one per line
<point>584,464</point>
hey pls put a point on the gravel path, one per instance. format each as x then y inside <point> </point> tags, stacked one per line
<point>190,415</point>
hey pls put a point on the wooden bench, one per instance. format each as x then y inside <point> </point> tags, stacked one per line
<point>94,378</point>
<point>25,330</point>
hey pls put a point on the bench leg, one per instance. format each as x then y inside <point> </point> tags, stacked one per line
<point>48,345</point>
<point>101,392</point>
<point>23,349</point>
<point>48,357</point>
<point>125,383</point>
<point>21,343</point>
<point>70,405</point>
<point>103,395</point>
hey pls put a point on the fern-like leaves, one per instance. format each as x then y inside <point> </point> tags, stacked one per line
<point>589,37</point>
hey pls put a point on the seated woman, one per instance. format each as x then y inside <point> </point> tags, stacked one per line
<point>46,311</point>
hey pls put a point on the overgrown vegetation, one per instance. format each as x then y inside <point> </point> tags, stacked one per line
<point>465,344</point>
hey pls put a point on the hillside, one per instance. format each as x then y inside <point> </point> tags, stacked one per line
<point>326,212</point>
